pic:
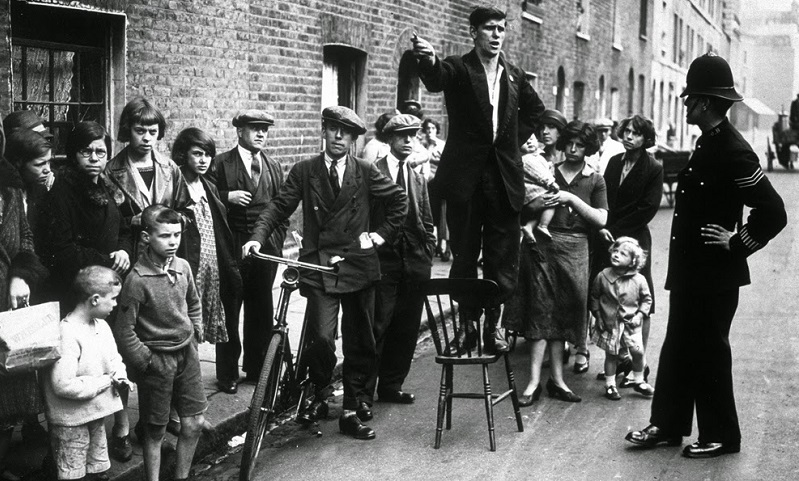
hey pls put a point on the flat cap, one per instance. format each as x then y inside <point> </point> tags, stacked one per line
<point>346,117</point>
<point>25,119</point>
<point>603,123</point>
<point>253,116</point>
<point>402,123</point>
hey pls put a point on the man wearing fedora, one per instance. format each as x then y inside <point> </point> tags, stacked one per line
<point>404,265</point>
<point>492,110</point>
<point>247,180</point>
<point>337,191</point>
<point>708,254</point>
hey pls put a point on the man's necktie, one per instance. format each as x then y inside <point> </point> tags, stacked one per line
<point>256,169</point>
<point>334,181</point>
<point>400,176</point>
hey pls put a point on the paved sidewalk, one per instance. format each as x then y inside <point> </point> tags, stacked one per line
<point>227,413</point>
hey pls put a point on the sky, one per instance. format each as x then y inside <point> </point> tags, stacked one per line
<point>766,4</point>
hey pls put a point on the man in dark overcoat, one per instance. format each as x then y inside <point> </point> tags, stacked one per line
<point>708,254</point>
<point>492,111</point>
<point>247,180</point>
<point>337,191</point>
<point>404,265</point>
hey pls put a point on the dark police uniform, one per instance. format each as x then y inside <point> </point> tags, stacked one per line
<point>695,368</point>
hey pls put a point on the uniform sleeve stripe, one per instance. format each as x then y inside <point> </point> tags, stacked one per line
<point>751,180</point>
<point>748,241</point>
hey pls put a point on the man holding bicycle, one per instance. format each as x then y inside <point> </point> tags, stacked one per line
<point>337,190</point>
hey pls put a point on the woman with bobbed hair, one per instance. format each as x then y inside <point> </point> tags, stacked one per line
<point>551,300</point>
<point>79,223</point>
<point>141,175</point>
<point>208,246</point>
<point>634,182</point>
<point>31,153</point>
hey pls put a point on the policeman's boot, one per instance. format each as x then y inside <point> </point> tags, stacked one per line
<point>466,335</point>
<point>493,341</point>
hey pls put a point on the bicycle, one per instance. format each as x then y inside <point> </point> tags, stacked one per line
<point>283,385</point>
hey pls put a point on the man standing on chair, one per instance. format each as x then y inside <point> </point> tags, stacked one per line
<point>337,191</point>
<point>404,265</point>
<point>247,180</point>
<point>492,111</point>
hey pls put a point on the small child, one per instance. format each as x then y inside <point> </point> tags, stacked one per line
<point>538,180</point>
<point>81,389</point>
<point>158,328</point>
<point>620,300</point>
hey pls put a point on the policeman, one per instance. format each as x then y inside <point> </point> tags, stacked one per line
<point>707,265</point>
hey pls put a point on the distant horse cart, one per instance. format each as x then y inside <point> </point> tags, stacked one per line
<point>673,162</point>
<point>786,144</point>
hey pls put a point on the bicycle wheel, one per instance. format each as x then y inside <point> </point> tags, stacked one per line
<point>262,406</point>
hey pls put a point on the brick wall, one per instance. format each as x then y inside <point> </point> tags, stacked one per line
<point>202,60</point>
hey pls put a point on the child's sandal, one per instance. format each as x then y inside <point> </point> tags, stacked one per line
<point>612,393</point>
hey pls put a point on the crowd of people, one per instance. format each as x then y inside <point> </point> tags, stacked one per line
<point>555,212</point>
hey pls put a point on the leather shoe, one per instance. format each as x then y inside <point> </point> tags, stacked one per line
<point>228,387</point>
<point>397,397</point>
<point>651,436</point>
<point>352,426</point>
<point>710,450</point>
<point>582,367</point>
<point>364,412</point>
<point>560,393</point>
<point>494,342</point>
<point>525,401</point>
<point>316,411</point>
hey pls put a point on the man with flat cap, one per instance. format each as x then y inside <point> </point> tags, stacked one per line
<point>337,191</point>
<point>404,265</point>
<point>707,265</point>
<point>247,181</point>
<point>492,111</point>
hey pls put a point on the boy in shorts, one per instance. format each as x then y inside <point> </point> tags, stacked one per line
<point>158,329</point>
<point>81,389</point>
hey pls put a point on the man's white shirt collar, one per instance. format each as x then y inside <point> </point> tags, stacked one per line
<point>393,167</point>
<point>246,159</point>
<point>341,165</point>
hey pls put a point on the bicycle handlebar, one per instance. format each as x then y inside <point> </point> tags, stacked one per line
<point>331,269</point>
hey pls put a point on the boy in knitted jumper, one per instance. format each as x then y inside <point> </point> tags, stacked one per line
<point>158,329</point>
<point>81,389</point>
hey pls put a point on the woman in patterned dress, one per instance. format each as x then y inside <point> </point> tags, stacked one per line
<point>207,245</point>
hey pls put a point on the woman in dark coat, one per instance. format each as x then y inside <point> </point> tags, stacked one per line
<point>20,271</point>
<point>79,222</point>
<point>634,181</point>
<point>207,245</point>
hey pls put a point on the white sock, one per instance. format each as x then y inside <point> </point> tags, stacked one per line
<point>610,380</point>
<point>638,377</point>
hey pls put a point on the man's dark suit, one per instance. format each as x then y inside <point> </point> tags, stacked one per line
<point>331,227</point>
<point>228,174</point>
<point>481,177</point>
<point>404,265</point>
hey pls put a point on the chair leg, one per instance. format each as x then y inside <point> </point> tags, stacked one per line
<point>514,397</point>
<point>442,405</point>
<point>450,388</point>
<point>489,408</point>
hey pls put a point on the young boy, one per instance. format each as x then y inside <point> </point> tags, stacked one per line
<point>158,328</point>
<point>81,389</point>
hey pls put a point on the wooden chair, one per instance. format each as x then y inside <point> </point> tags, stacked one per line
<point>444,320</point>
